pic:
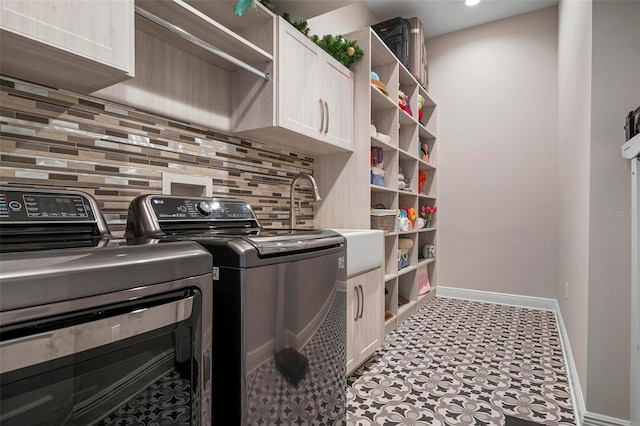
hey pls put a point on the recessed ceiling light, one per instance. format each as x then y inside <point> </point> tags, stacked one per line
<point>471,2</point>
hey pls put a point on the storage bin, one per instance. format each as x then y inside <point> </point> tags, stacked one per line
<point>383,219</point>
<point>396,34</point>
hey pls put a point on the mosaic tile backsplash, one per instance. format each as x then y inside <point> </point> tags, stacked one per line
<point>57,139</point>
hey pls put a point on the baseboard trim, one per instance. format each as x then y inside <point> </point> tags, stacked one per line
<point>574,381</point>
<point>594,419</point>
<point>582,417</point>
<point>499,298</point>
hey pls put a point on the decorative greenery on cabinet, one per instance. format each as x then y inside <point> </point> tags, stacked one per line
<point>345,51</point>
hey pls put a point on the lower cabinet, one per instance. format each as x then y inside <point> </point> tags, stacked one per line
<point>365,316</point>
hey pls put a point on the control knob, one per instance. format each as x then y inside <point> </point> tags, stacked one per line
<point>204,208</point>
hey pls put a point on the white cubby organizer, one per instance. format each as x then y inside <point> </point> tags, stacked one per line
<point>401,152</point>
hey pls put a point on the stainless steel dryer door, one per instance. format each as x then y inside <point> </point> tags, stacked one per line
<point>114,364</point>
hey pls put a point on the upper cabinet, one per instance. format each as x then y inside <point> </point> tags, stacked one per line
<point>309,105</point>
<point>77,45</point>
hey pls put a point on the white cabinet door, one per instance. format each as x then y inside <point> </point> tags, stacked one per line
<point>299,82</point>
<point>86,43</point>
<point>353,310</point>
<point>366,316</point>
<point>337,92</point>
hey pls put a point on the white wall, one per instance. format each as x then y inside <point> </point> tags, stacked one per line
<point>496,90</point>
<point>599,83</point>
<point>615,90</point>
<point>574,138</point>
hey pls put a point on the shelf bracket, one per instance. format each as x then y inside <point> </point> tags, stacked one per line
<point>201,43</point>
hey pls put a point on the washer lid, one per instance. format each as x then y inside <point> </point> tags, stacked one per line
<point>270,242</point>
<point>42,277</point>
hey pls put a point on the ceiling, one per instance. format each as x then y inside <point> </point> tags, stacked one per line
<point>437,16</point>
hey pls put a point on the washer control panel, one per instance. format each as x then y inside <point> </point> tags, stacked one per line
<point>39,206</point>
<point>178,208</point>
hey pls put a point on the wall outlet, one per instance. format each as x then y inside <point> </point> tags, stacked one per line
<point>566,291</point>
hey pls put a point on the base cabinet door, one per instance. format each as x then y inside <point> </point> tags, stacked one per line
<point>353,309</point>
<point>365,318</point>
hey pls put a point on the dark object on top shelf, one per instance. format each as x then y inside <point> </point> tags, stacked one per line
<point>632,124</point>
<point>396,34</point>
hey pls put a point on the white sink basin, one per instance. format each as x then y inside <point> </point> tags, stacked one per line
<point>365,248</point>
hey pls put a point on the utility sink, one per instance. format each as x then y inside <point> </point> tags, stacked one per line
<point>365,249</point>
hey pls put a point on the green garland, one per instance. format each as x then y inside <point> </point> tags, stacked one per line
<point>302,26</point>
<point>344,51</point>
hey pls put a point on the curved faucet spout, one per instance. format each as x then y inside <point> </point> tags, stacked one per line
<point>316,196</point>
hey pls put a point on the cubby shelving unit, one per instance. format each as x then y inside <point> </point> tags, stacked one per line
<point>400,154</point>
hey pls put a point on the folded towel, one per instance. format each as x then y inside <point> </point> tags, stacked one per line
<point>377,171</point>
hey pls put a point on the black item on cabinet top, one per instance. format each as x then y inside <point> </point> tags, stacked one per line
<point>632,124</point>
<point>396,34</point>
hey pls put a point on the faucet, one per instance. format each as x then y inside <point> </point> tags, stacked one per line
<point>316,196</point>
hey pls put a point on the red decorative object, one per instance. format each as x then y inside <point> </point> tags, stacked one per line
<point>422,180</point>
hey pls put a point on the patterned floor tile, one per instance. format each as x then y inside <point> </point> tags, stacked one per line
<point>458,362</point>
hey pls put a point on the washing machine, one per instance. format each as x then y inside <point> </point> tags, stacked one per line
<point>94,331</point>
<point>279,309</point>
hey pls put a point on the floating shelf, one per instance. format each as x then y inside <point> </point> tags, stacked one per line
<point>378,188</point>
<point>386,146</point>
<point>381,101</point>
<point>425,262</point>
<point>424,133</point>
<point>405,119</point>
<point>208,27</point>
<point>404,155</point>
<point>433,228</point>
<point>423,165</point>
<point>407,269</point>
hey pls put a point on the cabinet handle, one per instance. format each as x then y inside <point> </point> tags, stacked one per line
<point>326,127</point>
<point>362,304</point>
<point>322,115</point>
<point>357,307</point>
